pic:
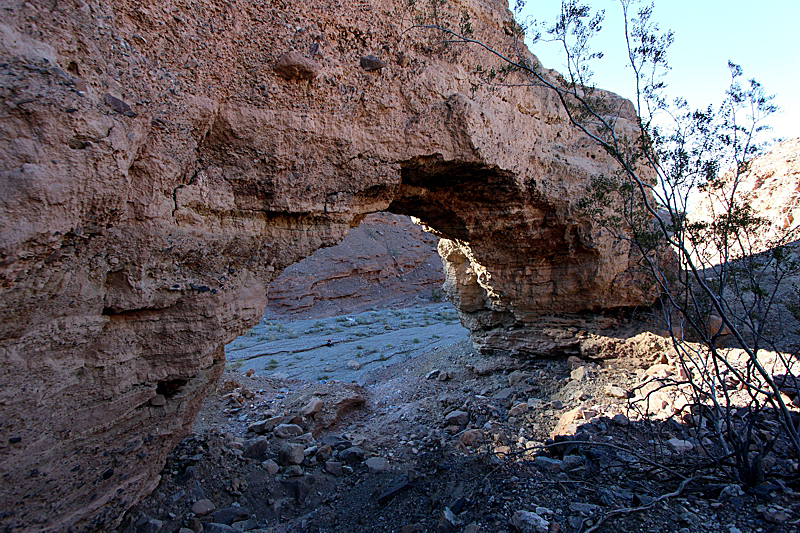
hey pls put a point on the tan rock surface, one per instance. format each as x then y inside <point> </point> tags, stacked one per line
<point>134,245</point>
<point>386,261</point>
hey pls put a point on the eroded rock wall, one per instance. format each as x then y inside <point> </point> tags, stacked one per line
<point>157,172</point>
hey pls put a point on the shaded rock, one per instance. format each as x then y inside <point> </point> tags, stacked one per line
<point>334,467</point>
<point>118,105</point>
<point>378,464</point>
<point>158,400</point>
<point>313,407</point>
<point>203,507</point>
<point>352,455</point>
<point>265,426</point>
<point>680,445</point>
<point>546,464</point>
<point>294,66</point>
<point>214,527</point>
<point>456,418</point>
<point>518,409</point>
<point>529,522</point>
<point>270,466</point>
<point>256,449</point>
<point>615,391</point>
<point>229,515</point>
<point>370,63</point>
<point>471,437</point>
<point>291,454</point>
<point>287,431</point>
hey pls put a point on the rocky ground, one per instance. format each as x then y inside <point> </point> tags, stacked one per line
<point>454,441</point>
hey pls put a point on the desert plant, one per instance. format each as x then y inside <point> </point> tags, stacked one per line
<point>721,277</point>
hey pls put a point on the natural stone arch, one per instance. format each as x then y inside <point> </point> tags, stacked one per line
<point>135,245</point>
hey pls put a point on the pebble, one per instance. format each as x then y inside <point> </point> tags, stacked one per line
<point>291,454</point>
<point>229,515</point>
<point>456,418</point>
<point>518,409</point>
<point>679,445</point>
<point>546,464</point>
<point>158,400</point>
<point>616,392</point>
<point>579,373</point>
<point>313,407</point>
<point>573,361</point>
<point>370,63</point>
<point>334,467</point>
<point>352,455</point>
<point>471,437</point>
<point>378,464</point>
<point>353,365</point>
<point>264,426</point>
<point>271,467</point>
<point>287,431</point>
<point>621,420</point>
<point>203,507</point>
<point>529,522</point>
<point>293,471</point>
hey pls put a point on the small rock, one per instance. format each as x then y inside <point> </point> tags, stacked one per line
<point>471,437</point>
<point>158,400</point>
<point>433,374</point>
<point>447,521</point>
<point>546,464</point>
<point>573,361</point>
<point>515,377</point>
<point>444,376</point>
<point>370,63</point>
<point>412,528</point>
<point>334,467</point>
<point>378,464</point>
<point>571,462</point>
<point>680,445</point>
<point>293,471</point>
<point>504,394</point>
<point>352,455</point>
<point>529,522</point>
<point>287,431</point>
<point>621,420</point>
<point>472,528</point>
<point>586,509</point>
<point>264,426</point>
<point>518,409</point>
<point>118,105</point>
<point>324,453</point>
<point>313,407</point>
<point>256,449</point>
<point>353,365</point>
<point>579,373</point>
<point>229,515</point>
<point>291,454</point>
<point>150,526</point>
<point>716,326</point>
<point>213,527</point>
<point>456,418</point>
<point>557,404</point>
<point>270,466</point>
<point>203,507</point>
<point>293,66</point>
<point>616,392</point>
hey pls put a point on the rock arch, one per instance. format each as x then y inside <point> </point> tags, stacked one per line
<point>136,243</point>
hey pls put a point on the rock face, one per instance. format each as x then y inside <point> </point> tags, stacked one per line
<point>386,260</point>
<point>139,231</point>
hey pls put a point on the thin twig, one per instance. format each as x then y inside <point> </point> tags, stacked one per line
<point>628,510</point>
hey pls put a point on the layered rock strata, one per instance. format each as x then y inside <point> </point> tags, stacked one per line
<point>386,261</point>
<point>157,172</point>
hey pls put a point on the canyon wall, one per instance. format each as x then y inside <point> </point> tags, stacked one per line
<point>161,162</point>
<point>387,261</point>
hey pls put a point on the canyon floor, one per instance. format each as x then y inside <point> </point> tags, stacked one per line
<point>399,426</point>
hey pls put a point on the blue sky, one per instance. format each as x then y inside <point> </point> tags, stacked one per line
<point>763,37</point>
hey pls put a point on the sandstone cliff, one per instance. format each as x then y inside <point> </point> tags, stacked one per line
<point>386,261</point>
<point>161,162</point>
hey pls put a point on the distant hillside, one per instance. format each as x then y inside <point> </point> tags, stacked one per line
<point>385,261</point>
